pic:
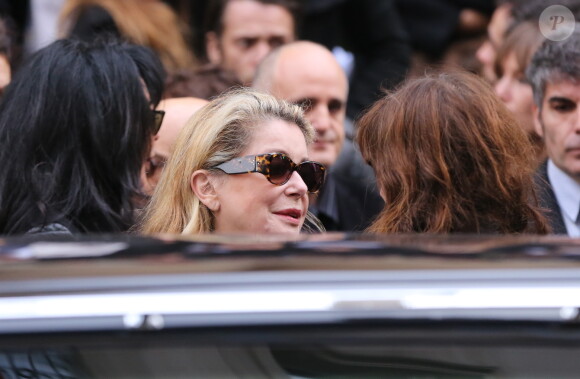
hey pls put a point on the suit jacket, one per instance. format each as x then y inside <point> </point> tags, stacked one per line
<point>349,200</point>
<point>354,204</point>
<point>432,24</point>
<point>370,29</point>
<point>548,201</point>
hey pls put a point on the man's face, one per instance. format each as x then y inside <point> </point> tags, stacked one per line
<point>250,31</point>
<point>318,84</point>
<point>559,124</point>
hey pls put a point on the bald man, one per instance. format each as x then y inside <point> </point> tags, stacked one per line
<point>307,74</point>
<point>177,112</point>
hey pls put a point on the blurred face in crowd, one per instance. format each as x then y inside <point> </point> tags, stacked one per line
<point>249,203</point>
<point>250,31</point>
<point>514,90</point>
<point>307,74</point>
<point>177,112</point>
<point>5,71</point>
<point>487,52</point>
<point>559,123</point>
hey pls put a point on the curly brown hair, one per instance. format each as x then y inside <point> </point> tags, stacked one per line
<point>449,157</point>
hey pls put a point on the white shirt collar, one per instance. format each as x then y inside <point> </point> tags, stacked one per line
<point>567,192</point>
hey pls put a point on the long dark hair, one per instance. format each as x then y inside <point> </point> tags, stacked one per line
<point>449,157</point>
<point>75,126</point>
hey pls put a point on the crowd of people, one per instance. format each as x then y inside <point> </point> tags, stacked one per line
<point>119,127</point>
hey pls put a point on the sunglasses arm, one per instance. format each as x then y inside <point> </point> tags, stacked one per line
<point>239,165</point>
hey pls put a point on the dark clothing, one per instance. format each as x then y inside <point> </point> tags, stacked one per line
<point>349,200</point>
<point>54,226</point>
<point>548,200</point>
<point>432,24</point>
<point>54,229</point>
<point>373,32</point>
<point>17,11</point>
<point>194,14</point>
<point>346,205</point>
<point>41,363</point>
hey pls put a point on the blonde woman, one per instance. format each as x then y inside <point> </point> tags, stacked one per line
<point>240,165</point>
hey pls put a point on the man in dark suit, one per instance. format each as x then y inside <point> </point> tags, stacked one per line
<point>307,74</point>
<point>554,73</point>
<point>548,200</point>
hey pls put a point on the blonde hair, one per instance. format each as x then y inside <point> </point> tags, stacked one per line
<point>218,132</point>
<point>150,23</point>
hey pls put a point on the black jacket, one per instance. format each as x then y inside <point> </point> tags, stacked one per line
<point>548,200</point>
<point>373,31</point>
<point>349,200</point>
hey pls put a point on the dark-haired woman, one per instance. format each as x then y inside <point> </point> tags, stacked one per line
<point>450,158</point>
<point>76,125</point>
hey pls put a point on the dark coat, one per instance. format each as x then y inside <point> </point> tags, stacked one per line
<point>351,192</point>
<point>357,204</point>
<point>370,29</point>
<point>548,201</point>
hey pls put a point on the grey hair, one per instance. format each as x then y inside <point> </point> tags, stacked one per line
<point>554,61</point>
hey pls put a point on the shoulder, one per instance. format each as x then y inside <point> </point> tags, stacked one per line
<point>53,229</point>
<point>358,202</point>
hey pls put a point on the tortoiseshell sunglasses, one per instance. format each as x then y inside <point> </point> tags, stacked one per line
<point>278,168</point>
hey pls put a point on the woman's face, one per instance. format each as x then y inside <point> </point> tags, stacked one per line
<point>516,93</point>
<point>249,203</point>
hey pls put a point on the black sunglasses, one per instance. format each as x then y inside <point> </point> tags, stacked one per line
<point>157,120</point>
<point>278,168</point>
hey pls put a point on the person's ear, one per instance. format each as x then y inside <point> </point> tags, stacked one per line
<point>212,48</point>
<point>203,187</point>
<point>537,121</point>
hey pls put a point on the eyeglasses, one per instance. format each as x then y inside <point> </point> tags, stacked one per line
<point>277,168</point>
<point>157,120</point>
